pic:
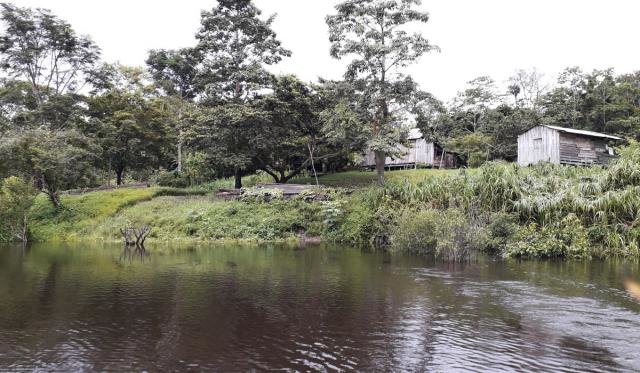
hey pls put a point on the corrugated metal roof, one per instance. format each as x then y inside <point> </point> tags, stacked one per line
<point>414,134</point>
<point>583,132</point>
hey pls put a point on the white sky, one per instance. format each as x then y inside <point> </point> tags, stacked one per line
<point>477,37</point>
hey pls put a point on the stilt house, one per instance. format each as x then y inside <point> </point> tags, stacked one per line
<point>419,153</point>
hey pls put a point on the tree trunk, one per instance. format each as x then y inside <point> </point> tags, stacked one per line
<point>180,140</point>
<point>238,178</point>
<point>25,232</point>
<point>119,175</point>
<point>54,198</point>
<point>313,166</point>
<point>380,158</point>
<point>108,176</point>
<point>51,193</point>
<point>180,137</point>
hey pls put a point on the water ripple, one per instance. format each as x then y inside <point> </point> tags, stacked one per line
<point>239,309</point>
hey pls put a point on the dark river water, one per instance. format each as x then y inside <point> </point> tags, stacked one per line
<point>95,308</point>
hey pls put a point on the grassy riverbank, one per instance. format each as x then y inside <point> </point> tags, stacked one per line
<point>81,214</point>
<point>542,211</point>
<point>196,214</point>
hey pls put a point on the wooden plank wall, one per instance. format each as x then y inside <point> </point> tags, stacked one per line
<point>539,144</point>
<point>582,150</point>
<point>424,153</point>
<point>408,157</point>
<point>419,152</point>
<point>369,159</point>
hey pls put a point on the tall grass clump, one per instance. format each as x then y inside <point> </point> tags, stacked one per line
<point>445,233</point>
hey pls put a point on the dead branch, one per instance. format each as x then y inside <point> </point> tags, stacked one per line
<point>133,236</point>
<point>141,234</point>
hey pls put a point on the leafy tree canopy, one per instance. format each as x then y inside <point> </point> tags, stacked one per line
<point>373,33</point>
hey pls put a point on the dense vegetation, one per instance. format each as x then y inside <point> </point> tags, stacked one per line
<point>544,211</point>
<point>212,115</point>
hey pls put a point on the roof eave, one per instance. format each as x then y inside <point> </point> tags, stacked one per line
<point>581,133</point>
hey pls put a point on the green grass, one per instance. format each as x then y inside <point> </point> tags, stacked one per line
<point>208,218</point>
<point>348,179</point>
<point>177,214</point>
<point>356,179</point>
<point>82,213</point>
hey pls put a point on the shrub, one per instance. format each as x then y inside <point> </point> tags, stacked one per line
<point>567,239</point>
<point>364,225</point>
<point>446,233</point>
<point>197,169</point>
<point>415,232</point>
<point>261,195</point>
<point>17,196</point>
<point>333,212</point>
<point>172,179</point>
<point>626,170</point>
<point>498,185</point>
<point>499,231</point>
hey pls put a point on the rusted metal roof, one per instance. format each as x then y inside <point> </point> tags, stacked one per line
<point>583,132</point>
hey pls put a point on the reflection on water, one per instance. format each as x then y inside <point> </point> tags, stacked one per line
<point>129,253</point>
<point>316,308</point>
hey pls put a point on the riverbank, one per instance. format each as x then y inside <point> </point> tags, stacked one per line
<point>196,214</point>
<point>82,214</point>
<point>544,211</point>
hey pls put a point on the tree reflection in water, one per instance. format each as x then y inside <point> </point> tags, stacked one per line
<point>129,253</point>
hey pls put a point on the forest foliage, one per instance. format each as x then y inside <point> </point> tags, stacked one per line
<point>215,110</point>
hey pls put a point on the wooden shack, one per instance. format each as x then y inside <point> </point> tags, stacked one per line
<point>567,146</point>
<point>418,153</point>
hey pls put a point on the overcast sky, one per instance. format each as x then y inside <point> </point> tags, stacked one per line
<point>487,37</point>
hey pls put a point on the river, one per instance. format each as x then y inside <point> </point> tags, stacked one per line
<point>317,308</point>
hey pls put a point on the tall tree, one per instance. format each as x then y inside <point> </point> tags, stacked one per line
<point>294,137</point>
<point>599,98</point>
<point>236,44</point>
<point>129,126</point>
<point>16,199</point>
<point>375,33</point>
<point>472,105</point>
<point>174,73</point>
<point>43,50</point>
<point>55,160</point>
<point>229,133</point>
<point>504,124</point>
<point>514,90</point>
<point>431,117</point>
<point>626,106</point>
<point>564,104</point>
<point>16,105</point>
<point>530,87</point>
<point>46,64</point>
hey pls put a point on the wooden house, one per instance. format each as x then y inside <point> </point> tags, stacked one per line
<point>418,153</point>
<point>561,145</point>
